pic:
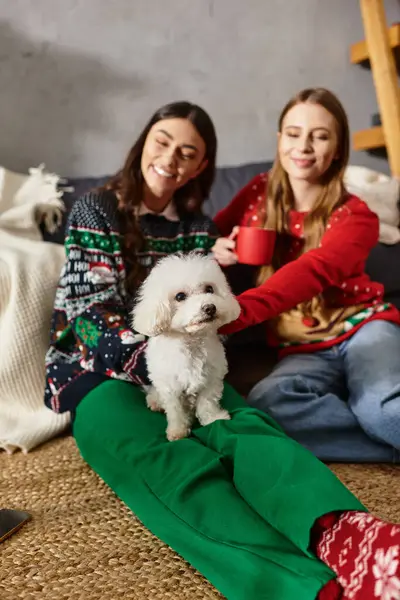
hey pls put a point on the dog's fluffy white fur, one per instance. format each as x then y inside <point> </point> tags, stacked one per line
<point>180,306</point>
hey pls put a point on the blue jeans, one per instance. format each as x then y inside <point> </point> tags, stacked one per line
<point>343,403</point>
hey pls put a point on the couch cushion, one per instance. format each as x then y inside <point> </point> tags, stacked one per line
<point>383,266</point>
<point>229,181</point>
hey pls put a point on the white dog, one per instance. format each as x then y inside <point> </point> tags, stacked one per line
<point>180,306</point>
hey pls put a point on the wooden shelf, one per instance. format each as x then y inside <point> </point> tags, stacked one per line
<point>368,139</point>
<point>359,50</point>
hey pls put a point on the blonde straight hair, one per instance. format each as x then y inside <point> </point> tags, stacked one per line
<point>279,196</point>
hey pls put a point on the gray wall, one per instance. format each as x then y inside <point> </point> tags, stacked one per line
<point>78,78</point>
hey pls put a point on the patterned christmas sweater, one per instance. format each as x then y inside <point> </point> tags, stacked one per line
<point>91,339</point>
<point>331,278</point>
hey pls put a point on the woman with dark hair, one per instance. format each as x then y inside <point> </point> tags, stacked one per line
<point>139,179</point>
<point>242,502</point>
<point>150,208</point>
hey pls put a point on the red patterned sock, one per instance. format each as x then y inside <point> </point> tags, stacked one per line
<point>363,551</point>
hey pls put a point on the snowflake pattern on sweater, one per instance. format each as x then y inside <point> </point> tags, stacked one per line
<point>90,329</point>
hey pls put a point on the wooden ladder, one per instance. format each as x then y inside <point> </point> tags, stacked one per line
<point>377,48</point>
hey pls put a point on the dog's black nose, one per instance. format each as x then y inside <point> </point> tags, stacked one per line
<point>210,309</point>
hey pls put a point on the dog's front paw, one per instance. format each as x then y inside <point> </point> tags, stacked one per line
<point>177,433</point>
<point>153,400</point>
<point>154,405</point>
<point>221,415</point>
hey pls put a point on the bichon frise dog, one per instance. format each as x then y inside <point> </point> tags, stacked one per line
<point>180,307</point>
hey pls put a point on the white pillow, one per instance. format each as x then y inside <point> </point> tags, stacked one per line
<point>382,195</point>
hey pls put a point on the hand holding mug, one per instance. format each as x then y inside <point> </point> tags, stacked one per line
<point>224,249</point>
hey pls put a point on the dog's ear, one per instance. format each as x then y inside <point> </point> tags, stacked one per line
<point>232,308</point>
<point>151,314</point>
<point>231,305</point>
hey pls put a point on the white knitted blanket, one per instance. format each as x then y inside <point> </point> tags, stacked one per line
<point>29,272</point>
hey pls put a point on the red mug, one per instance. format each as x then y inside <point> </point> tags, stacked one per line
<point>255,246</point>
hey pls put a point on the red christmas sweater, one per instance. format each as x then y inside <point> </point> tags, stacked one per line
<point>330,278</point>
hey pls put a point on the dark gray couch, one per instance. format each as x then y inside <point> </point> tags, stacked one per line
<point>248,355</point>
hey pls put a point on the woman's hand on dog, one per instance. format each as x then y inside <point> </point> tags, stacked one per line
<point>224,249</point>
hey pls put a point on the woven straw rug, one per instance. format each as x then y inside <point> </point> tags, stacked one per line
<point>84,544</point>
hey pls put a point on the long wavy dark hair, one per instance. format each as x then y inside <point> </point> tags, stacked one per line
<point>128,183</point>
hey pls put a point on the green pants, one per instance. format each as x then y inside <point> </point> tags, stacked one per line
<point>237,499</point>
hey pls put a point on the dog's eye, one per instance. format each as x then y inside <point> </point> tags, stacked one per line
<point>209,289</point>
<point>180,296</point>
